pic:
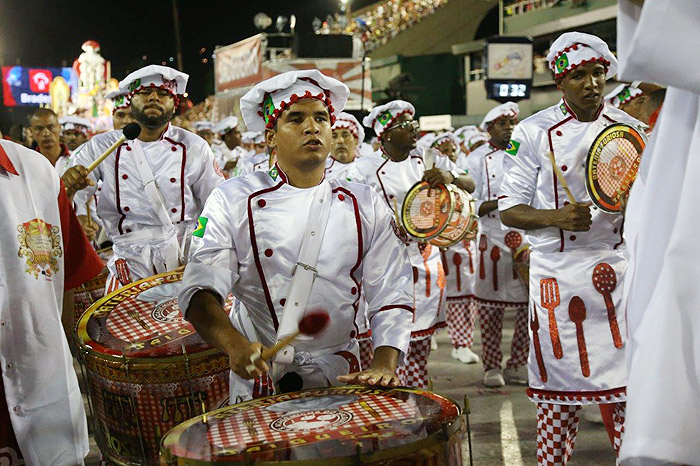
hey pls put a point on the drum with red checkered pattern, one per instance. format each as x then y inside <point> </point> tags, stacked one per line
<point>147,368</point>
<point>88,293</point>
<point>337,425</point>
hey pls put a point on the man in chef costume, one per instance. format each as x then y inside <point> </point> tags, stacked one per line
<point>577,262</point>
<point>74,131</point>
<point>497,287</point>
<point>392,172</point>
<point>288,240</point>
<point>121,111</point>
<point>154,187</point>
<point>348,133</point>
<point>228,151</point>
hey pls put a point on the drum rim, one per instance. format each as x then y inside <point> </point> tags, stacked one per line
<point>472,215</point>
<point>404,206</point>
<point>80,330</point>
<point>448,428</point>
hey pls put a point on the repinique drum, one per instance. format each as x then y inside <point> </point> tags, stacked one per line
<point>441,216</point>
<point>337,425</point>
<point>88,293</point>
<point>147,369</point>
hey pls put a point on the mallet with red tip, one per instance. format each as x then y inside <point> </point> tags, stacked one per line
<point>312,323</point>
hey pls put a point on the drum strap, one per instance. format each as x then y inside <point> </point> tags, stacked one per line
<point>304,272</point>
<point>151,189</point>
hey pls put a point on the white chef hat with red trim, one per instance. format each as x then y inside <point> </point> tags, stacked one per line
<point>573,49</point>
<point>349,122</point>
<point>383,116</point>
<point>464,132</point>
<point>508,109</point>
<point>252,137</point>
<point>226,124</point>
<point>155,76</point>
<point>476,138</point>
<point>73,123</point>
<point>264,103</point>
<point>203,125</point>
<point>445,136</point>
<point>623,94</point>
<point>120,99</point>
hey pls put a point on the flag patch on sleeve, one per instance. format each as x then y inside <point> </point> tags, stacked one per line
<point>513,147</point>
<point>201,227</point>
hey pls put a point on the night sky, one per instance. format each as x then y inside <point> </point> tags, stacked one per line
<point>50,33</point>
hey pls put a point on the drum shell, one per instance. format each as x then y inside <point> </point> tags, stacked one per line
<point>463,220</point>
<point>440,446</point>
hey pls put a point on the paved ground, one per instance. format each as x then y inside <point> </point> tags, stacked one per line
<point>503,421</point>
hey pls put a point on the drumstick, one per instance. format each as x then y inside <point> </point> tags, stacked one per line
<point>311,324</point>
<point>130,132</point>
<point>396,213</point>
<point>89,214</point>
<point>561,179</point>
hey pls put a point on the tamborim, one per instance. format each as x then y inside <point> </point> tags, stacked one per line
<point>612,164</point>
<point>338,425</point>
<point>147,369</point>
<point>442,215</point>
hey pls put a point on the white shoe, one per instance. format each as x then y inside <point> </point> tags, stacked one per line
<point>591,413</point>
<point>433,343</point>
<point>516,376</point>
<point>493,378</point>
<point>465,355</point>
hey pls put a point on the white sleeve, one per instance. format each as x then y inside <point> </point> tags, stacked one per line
<point>387,281</point>
<point>443,162</point>
<point>208,178</point>
<point>355,174</point>
<point>84,156</point>
<point>521,168</point>
<point>476,171</point>
<point>213,263</point>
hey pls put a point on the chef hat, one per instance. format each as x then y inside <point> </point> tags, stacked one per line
<point>446,136</point>
<point>623,94</point>
<point>465,131</point>
<point>120,98</point>
<point>347,121</point>
<point>203,125</point>
<point>252,137</point>
<point>573,49</point>
<point>476,138</point>
<point>74,123</point>
<point>426,140</point>
<point>383,116</point>
<point>508,109</point>
<point>226,125</point>
<point>155,76</point>
<point>263,104</point>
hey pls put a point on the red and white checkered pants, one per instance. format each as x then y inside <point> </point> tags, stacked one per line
<point>461,313</point>
<point>366,350</point>
<point>557,426</point>
<point>491,319</point>
<point>414,372</point>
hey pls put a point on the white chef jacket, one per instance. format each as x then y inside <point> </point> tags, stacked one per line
<point>250,244</point>
<point>657,44</point>
<point>496,281</point>
<point>41,388</point>
<point>185,171</point>
<point>571,259</point>
<point>392,180</point>
<point>335,169</point>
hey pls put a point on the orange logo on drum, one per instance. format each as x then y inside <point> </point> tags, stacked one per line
<point>168,312</point>
<point>311,420</point>
<point>426,208</point>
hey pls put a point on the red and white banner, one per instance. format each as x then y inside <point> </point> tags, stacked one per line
<point>238,64</point>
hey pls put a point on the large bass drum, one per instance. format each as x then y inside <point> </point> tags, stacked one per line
<point>338,426</point>
<point>442,215</point>
<point>147,369</point>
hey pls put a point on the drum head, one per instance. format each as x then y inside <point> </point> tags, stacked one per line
<point>141,320</point>
<point>335,425</point>
<point>426,211</point>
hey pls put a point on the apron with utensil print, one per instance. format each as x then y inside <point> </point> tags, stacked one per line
<point>577,327</point>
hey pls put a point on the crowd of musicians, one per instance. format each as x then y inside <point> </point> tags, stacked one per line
<point>299,213</point>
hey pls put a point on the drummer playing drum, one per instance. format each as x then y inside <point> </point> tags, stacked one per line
<point>249,239</point>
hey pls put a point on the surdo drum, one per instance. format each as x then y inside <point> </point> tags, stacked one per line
<point>442,216</point>
<point>337,425</point>
<point>88,293</point>
<point>147,369</point>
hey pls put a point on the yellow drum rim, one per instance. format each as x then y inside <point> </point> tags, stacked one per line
<point>410,195</point>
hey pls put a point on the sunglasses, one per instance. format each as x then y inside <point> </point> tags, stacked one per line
<point>410,124</point>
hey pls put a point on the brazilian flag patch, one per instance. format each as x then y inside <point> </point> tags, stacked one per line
<point>384,118</point>
<point>562,63</point>
<point>201,226</point>
<point>512,148</point>
<point>273,173</point>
